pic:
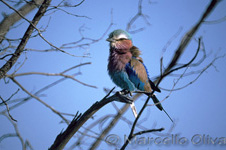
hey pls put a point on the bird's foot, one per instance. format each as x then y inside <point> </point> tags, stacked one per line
<point>125,92</point>
<point>123,98</point>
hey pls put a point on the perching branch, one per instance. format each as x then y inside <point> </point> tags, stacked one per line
<point>79,120</point>
<point>131,135</point>
<point>185,41</point>
<point>63,138</point>
<point>112,123</point>
<point>173,63</point>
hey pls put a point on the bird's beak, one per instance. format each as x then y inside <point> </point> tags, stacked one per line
<point>110,40</point>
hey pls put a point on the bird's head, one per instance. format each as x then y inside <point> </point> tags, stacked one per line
<point>120,39</point>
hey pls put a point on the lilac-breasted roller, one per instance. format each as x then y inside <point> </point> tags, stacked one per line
<point>126,67</point>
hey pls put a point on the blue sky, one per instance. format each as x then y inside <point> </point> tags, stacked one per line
<point>197,109</point>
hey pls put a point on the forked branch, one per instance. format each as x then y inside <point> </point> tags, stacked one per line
<point>63,138</point>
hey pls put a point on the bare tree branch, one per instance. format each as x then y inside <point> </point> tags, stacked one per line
<point>47,87</point>
<point>112,123</point>
<point>199,74</point>
<point>7,108</point>
<point>10,20</point>
<point>187,38</point>
<point>50,74</point>
<point>17,134</point>
<point>65,4</point>
<point>185,41</point>
<point>135,122</point>
<point>216,21</point>
<point>63,138</point>
<point>136,17</point>
<point>41,101</point>
<point>8,65</point>
<point>177,55</point>
<point>148,131</point>
<point>39,32</point>
<point>7,136</point>
<point>79,119</point>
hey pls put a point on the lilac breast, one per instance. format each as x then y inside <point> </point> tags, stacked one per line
<point>118,59</point>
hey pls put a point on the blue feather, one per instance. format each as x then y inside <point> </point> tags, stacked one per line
<point>134,77</point>
<point>146,70</point>
<point>121,79</point>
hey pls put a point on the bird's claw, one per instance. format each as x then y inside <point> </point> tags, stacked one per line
<point>123,98</point>
<point>125,92</point>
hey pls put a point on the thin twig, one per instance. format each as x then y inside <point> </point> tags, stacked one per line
<point>41,101</point>
<point>187,38</point>
<point>148,131</point>
<point>136,17</point>
<point>200,73</point>
<point>7,108</point>
<point>63,138</point>
<point>48,86</point>
<point>50,74</point>
<point>39,32</point>
<point>8,65</point>
<point>17,132</point>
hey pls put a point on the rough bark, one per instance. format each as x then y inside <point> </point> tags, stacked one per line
<point>8,65</point>
<point>11,19</point>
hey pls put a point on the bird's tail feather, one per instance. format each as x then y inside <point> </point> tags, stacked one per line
<point>133,109</point>
<point>159,105</point>
<point>156,101</point>
<point>168,115</point>
<point>154,87</point>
